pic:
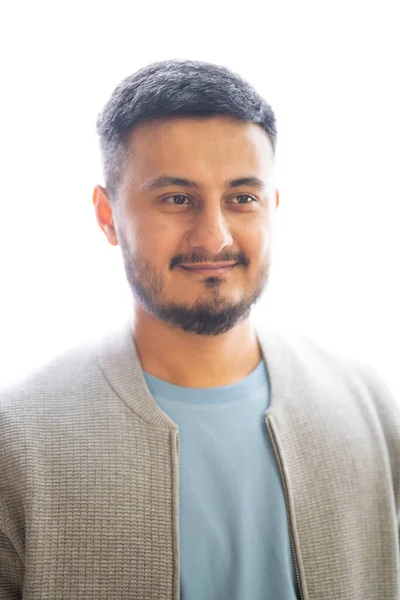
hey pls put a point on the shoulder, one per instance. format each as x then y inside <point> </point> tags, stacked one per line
<point>302,365</point>
<point>65,376</point>
<point>312,362</point>
<point>347,380</point>
<point>352,371</point>
<point>358,376</point>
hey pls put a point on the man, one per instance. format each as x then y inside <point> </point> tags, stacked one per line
<point>192,455</point>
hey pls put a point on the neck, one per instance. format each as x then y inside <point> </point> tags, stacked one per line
<point>191,360</point>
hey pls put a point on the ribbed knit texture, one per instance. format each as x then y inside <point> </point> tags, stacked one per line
<point>89,470</point>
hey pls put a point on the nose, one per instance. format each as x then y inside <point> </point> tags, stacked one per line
<point>210,231</point>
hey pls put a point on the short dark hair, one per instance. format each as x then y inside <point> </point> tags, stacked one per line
<point>174,88</point>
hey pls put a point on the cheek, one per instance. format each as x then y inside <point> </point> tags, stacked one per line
<point>265,241</point>
<point>155,241</point>
<point>255,241</point>
<point>159,240</point>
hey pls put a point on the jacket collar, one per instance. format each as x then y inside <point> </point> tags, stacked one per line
<point>120,364</point>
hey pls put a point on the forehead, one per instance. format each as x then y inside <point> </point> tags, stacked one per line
<point>199,147</point>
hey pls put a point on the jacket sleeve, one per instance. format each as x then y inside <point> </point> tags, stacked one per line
<point>11,557</point>
<point>388,411</point>
<point>11,571</point>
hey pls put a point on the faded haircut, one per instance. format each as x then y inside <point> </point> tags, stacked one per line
<point>174,88</point>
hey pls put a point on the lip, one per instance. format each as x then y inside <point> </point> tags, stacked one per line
<point>210,270</point>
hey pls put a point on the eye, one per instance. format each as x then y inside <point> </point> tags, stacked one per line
<point>177,199</point>
<point>241,199</point>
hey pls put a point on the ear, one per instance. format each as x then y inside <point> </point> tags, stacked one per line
<point>276,198</point>
<point>102,205</point>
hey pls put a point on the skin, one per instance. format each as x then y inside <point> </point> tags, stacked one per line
<point>194,330</point>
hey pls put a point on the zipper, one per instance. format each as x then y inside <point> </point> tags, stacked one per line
<point>285,493</point>
<point>178,482</point>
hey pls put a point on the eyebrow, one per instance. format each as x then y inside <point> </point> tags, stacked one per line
<point>166,181</point>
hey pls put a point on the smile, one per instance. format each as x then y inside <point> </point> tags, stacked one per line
<point>210,270</point>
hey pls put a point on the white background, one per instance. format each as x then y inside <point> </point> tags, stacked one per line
<point>331,72</point>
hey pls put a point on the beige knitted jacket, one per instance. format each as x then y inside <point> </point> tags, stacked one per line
<point>89,476</point>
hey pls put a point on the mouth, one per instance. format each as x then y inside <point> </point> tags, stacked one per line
<point>209,270</point>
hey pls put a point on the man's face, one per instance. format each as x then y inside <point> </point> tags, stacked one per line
<point>210,216</point>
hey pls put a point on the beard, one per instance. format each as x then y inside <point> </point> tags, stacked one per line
<point>212,316</point>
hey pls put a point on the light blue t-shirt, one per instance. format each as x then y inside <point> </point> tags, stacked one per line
<point>233,526</point>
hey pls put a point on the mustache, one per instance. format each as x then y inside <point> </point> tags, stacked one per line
<point>182,259</point>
